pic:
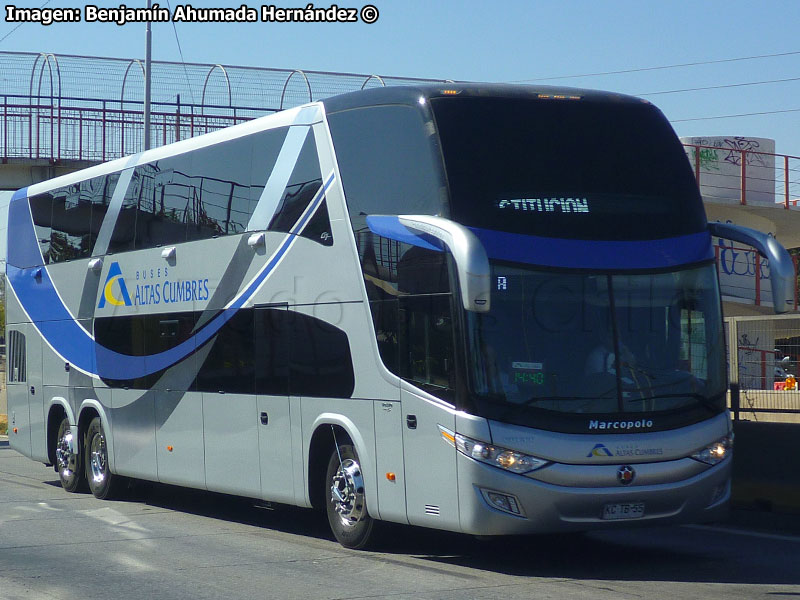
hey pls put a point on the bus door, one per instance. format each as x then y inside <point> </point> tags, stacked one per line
<point>230,423</point>
<point>272,339</point>
<point>425,338</point>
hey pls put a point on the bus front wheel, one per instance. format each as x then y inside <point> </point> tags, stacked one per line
<point>346,505</point>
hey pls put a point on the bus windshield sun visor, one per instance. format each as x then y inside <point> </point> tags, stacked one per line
<point>781,267</point>
<point>436,233</point>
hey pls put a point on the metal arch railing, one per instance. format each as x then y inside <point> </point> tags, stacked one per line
<point>371,77</point>
<point>55,98</point>
<point>205,84</point>
<point>135,61</point>
<point>286,85</point>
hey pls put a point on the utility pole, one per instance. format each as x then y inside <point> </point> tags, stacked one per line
<point>147,78</point>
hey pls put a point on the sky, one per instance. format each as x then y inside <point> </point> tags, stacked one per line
<point>512,41</point>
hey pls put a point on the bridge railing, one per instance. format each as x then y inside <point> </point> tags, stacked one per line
<point>102,130</point>
<point>736,171</point>
<point>92,129</point>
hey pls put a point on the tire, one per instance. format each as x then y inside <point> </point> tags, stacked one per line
<point>102,482</point>
<point>346,503</point>
<point>69,465</point>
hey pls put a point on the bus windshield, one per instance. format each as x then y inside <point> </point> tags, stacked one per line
<point>566,168</point>
<point>598,343</point>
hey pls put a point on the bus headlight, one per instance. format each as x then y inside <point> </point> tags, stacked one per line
<point>717,452</point>
<point>508,460</point>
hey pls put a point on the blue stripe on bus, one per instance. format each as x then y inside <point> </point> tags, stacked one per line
<point>36,293</point>
<point>390,227</point>
<point>24,251</point>
<point>591,254</point>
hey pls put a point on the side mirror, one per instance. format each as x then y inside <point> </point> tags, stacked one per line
<point>781,267</point>
<point>438,233</point>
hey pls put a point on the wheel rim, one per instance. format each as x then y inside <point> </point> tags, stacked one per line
<point>347,493</point>
<point>65,459</point>
<point>97,458</point>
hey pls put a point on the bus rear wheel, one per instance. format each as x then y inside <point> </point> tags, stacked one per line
<point>346,505</point>
<point>102,482</point>
<point>69,464</point>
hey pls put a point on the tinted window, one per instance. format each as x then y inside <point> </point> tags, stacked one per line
<point>143,335</point>
<point>42,212</point>
<point>389,162</point>
<point>272,354</point>
<point>566,168</point>
<point>318,227</point>
<point>305,181</point>
<point>201,194</point>
<point>320,363</point>
<point>409,292</point>
<point>230,366</point>
<point>72,215</point>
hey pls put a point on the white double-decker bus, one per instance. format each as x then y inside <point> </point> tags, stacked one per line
<point>484,309</point>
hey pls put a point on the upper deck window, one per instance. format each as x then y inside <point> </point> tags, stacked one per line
<point>581,169</point>
<point>68,219</point>
<point>209,192</point>
<point>389,162</point>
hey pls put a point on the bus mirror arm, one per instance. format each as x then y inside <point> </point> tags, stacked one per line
<point>781,267</point>
<point>470,257</point>
<point>467,250</point>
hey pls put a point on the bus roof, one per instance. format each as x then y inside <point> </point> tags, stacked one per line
<point>412,94</point>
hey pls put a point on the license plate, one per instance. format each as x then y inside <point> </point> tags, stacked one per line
<point>629,510</point>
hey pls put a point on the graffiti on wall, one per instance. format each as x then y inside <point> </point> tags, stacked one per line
<point>730,151</point>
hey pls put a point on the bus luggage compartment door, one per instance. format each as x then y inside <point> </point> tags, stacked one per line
<point>430,464</point>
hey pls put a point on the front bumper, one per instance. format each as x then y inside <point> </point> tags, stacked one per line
<point>668,494</point>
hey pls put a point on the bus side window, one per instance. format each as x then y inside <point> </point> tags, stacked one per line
<point>78,212</point>
<point>388,159</point>
<point>302,187</point>
<point>42,211</point>
<point>410,299</point>
<point>196,195</point>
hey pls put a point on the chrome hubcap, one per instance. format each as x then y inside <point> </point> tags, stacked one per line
<point>65,460</point>
<point>97,459</point>
<point>347,493</point>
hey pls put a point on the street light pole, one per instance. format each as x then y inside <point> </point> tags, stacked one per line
<point>147,63</point>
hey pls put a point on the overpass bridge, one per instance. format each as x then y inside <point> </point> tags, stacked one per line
<point>62,112</point>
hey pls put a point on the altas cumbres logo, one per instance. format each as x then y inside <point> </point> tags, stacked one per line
<point>115,292</point>
<point>599,450</point>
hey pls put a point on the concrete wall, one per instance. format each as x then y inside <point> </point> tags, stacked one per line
<point>18,172</point>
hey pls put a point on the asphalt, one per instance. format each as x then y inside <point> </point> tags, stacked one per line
<point>766,486</point>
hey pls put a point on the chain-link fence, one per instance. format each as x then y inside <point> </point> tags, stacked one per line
<point>763,358</point>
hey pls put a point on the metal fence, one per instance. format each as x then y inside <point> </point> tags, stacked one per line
<point>735,170</point>
<point>763,359</point>
<point>63,107</point>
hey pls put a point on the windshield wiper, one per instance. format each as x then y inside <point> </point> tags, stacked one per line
<point>706,401</point>
<point>608,395</point>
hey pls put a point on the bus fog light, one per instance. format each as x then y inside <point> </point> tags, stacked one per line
<point>717,452</point>
<point>504,502</point>
<point>719,492</point>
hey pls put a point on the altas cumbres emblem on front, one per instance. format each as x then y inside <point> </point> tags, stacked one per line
<point>626,475</point>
